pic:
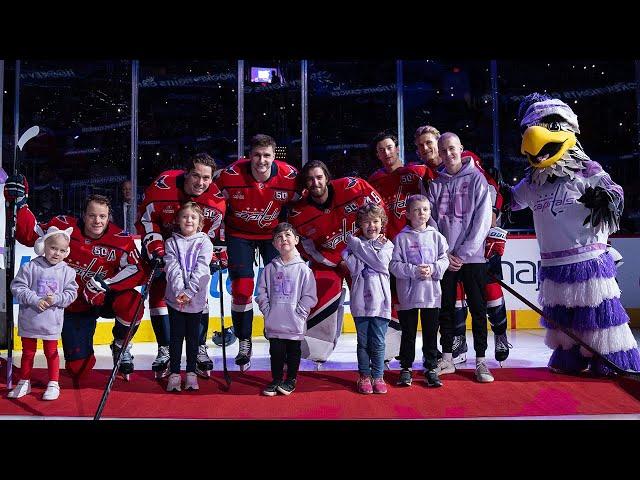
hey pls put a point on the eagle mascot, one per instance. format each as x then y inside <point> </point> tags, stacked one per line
<point>576,206</point>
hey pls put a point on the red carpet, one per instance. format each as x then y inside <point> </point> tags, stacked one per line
<point>331,395</point>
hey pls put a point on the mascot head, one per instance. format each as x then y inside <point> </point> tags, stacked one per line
<point>549,129</point>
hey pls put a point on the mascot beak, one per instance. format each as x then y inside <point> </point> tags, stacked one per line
<point>543,147</point>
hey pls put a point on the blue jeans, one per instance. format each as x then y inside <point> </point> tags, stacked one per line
<point>371,333</point>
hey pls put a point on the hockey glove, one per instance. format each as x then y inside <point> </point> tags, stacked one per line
<point>495,242</point>
<point>219,259</point>
<point>16,190</point>
<point>154,247</point>
<point>96,290</point>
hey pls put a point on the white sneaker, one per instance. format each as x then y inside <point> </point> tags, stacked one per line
<point>22,388</point>
<point>173,385</point>
<point>52,392</point>
<point>191,383</point>
<point>483,375</point>
<point>445,367</point>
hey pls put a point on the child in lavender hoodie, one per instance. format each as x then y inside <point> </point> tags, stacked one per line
<point>286,295</point>
<point>43,288</point>
<point>461,204</point>
<point>368,258</point>
<point>419,262</point>
<point>188,254</point>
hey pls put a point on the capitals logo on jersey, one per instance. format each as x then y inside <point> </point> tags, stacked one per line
<point>324,227</point>
<point>341,237</point>
<point>255,206</point>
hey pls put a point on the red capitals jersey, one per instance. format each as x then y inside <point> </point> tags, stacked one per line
<point>395,187</point>
<point>114,254</point>
<point>322,228</point>
<point>162,199</point>
<point>254,207</point>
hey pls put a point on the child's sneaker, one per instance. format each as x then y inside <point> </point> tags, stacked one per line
<point>379,386</point>
<point>364,385</point>
<point>405,377</point>
<point>271,390</point>
<point>483,375</point>
<point>191,382</point>
<point>431,377</point>
<point>52,392</point>
<point>445,367</point>
<point>173,384</point>
<point>287,387</point>
<point>22,388</point>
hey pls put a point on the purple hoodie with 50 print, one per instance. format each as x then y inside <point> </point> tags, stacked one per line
<point>461,209</point>
<point>286,295</point>
<point>34,281</point>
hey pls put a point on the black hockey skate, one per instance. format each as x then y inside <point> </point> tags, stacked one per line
<point>459,349</point>
<point>243,358</point>
<point>502,348</point>
<point>160,365</point>
<point>126,363</point>
<point>204,364</point>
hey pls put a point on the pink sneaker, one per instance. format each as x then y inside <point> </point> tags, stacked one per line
<point>379,386</point>
<point>364,385</point>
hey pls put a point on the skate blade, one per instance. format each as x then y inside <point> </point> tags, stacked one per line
<point>124,376</point>
<point>162,374</point>
<point>245,367</point>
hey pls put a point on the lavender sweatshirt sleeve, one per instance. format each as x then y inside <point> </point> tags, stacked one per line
<point>69,290</point>
<point>399,265</point>
<point>351,261</point>
<point>442,263</point>
<point>194,282</point>
<point>308,295</point>
<point>480,222</point>
<point>20,286</point>
<point>262,299</point>
<point>372,253</point>
<point>173,270</point>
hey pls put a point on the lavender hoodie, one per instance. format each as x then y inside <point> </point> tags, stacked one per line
<point>412,248</point>
<point>34,281</point>
<point>187,267</point>
<point>286,295</point>
<point>461,209</point>
<point>368,262</point>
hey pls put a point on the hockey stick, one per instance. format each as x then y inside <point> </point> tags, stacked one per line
<point>9,252</point>
<point>227,377</point>
<point>127,339</point>
<point>624,373</point>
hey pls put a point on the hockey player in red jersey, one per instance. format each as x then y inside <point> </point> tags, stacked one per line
<point>256,190</point>
<point>395,182</point>
<point>426,141</point>
<point>157,222</point>
<point>107,264</point>
<point>323,217</point>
